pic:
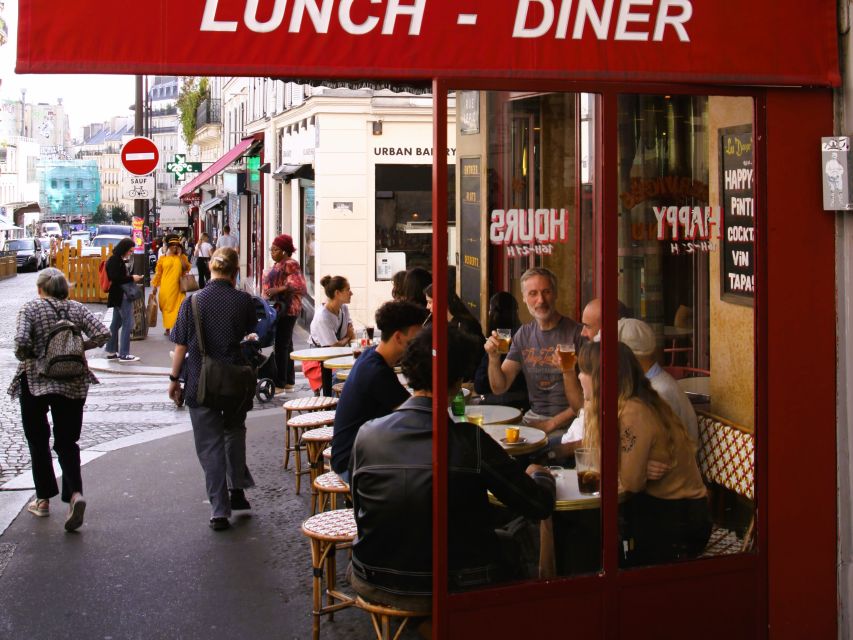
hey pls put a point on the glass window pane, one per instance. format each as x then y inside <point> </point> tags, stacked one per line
<point>687,403</point>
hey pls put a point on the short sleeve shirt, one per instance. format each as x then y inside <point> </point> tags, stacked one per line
<point>327,328</point>
<point>227,315</point>
<point>534,350</point>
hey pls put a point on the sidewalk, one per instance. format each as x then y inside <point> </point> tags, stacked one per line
<point>146,565</point>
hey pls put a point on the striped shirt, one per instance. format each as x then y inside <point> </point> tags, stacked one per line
<point>35,320</point>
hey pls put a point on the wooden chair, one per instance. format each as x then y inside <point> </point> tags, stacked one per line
<point>296,428</point>
<point>328,532</point>
<point>302,405</point>
<point>315,441</point>
<point>727,460</point>
<point>381,616</point>
<point>327,488</point>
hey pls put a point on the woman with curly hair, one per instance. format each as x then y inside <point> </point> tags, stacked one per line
<point>665,519</point>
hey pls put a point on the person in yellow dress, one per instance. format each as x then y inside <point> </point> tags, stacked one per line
<point>166,281</point>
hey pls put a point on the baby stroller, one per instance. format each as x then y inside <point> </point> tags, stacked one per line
<point>258,353</point>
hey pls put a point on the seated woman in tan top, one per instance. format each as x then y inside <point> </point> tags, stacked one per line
<point>666,519</point>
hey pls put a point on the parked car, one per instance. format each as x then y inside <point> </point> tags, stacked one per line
<point>29,253</point>
<point>82,236</point>
<point>106,240</point>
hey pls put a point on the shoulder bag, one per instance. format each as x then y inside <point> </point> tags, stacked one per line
<point>188,283</point>
<point>132,291</point>
<point>222,385</point>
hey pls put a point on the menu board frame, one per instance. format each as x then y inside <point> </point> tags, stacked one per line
<point>736,152</point>
<point>471,232</point>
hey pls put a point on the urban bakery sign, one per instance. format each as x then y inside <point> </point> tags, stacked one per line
<point>526,232</point>
<point>664,40</point>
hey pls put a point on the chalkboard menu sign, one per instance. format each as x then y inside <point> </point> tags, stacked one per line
<point>471,232</point>
<point>737,194</point>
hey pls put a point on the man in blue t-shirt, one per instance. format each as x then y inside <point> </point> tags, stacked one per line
<point>372,389</point>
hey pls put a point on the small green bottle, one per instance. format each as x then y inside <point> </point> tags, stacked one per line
<point>457,406</point>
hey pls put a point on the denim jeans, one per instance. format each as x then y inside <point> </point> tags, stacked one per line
<point>122,318</point>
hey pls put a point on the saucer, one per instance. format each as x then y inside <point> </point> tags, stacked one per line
<point>521,440</point>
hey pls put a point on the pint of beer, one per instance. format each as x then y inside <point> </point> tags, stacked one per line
<point>567,356</point>
<point>504,340</point>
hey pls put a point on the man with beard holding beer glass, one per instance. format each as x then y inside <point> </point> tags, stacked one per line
<point>532,351</point>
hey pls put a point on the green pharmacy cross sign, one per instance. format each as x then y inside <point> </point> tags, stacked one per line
<point>180,167</point>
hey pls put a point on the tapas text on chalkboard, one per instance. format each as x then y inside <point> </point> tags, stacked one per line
<point>737,196</point>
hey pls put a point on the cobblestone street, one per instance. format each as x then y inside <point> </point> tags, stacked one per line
<point>121,405</point>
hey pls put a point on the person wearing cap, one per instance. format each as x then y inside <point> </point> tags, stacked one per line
<point>641,339</point>
<point>284,285</point>
<point>166,282</point>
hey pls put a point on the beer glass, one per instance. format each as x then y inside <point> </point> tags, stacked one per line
<point>504,340</point>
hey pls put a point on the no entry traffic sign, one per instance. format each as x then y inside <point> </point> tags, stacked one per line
<point>140,156</point>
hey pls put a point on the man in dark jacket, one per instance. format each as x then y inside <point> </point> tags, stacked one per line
<point>391,486</point>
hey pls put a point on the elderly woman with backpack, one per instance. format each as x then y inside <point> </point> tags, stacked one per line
<point>52,336</point>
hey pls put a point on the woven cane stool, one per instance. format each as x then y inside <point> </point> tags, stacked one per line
<point>296,427</point>
<point>328,486</point>
<point>315,441</point>
<point>327,456</point>
<point>338,389</point>
<point>381,615</point>
<point>302,405</point>
<point>328,532</point>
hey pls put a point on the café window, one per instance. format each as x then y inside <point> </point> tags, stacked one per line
<point>404,211</point>
<point>685,418</point>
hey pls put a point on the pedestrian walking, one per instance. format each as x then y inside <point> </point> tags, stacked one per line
<point>202,259</point>
<point>118,346</point>
<point>51,338</point>
<point>226,316</point>
<point>166,282</point>
<point>227,241</point>
<point>284,285</point>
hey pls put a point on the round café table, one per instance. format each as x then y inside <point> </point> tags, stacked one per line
<point>322,354</point>
<point>337,364</point>
<point>530,438</point>
<point>492,413</point>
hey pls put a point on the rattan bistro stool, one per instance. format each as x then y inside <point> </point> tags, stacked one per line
<point>302,405</point>
<point>315,441</point>
<point>381,615</point>
<point>328,532</point>
<point>327,487</point>
<point>296,427</point>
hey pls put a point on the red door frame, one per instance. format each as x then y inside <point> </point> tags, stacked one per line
<point>742,596</point>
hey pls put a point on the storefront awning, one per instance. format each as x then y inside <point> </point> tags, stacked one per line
<point>210,204</point>
<point>234,154</point>
<point>288,172</point>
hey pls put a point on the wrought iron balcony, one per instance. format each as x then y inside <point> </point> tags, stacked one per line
<point>208,112</point>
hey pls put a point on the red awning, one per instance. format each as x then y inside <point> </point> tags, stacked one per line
<point>235,154</point>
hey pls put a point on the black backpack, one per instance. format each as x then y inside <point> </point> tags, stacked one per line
<point>64,353</point>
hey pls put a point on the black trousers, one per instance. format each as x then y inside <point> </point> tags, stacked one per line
<point>67,416</point>
<point>662,531</point>
<point>283,346</point>
<point>202,265</point>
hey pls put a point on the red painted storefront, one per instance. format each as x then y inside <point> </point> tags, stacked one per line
<point>784,588</point>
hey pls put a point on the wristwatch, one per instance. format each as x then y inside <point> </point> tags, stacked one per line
<point>173,378</point>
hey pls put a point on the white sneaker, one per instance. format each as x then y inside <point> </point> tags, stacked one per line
<point>128,358</point>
